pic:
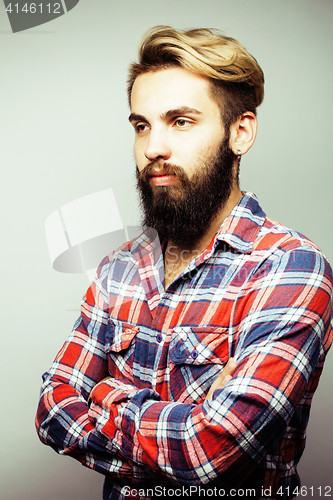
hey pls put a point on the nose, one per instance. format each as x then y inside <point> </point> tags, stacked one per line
<point>157,147</point>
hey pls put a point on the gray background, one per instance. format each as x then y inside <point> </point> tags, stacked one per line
<point>64,134</point>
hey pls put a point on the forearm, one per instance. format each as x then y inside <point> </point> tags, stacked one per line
<point>65,422</point>
<point>189,444</point>
<point>222,440</point>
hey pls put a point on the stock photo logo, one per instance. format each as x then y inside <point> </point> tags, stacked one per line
<point>24,15</point>
<point>81,233</point>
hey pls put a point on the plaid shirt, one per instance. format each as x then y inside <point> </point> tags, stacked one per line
<point>260,293</point>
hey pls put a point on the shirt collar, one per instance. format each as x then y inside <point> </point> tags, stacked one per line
<point>148,243</point>
<point>240,228</point>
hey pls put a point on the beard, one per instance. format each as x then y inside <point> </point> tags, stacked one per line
<point>182,212</point>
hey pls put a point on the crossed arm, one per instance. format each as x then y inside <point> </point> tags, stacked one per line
<point>219,383</point>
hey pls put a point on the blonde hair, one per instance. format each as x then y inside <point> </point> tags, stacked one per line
<point>236,77</point>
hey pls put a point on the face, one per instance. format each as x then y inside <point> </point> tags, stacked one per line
<point>184,163</point>
<point>175,120</point>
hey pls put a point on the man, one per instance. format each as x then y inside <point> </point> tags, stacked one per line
<point>200,344</point>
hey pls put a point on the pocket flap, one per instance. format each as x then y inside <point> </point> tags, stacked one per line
<point>199,345</point>
<point>119,335</point>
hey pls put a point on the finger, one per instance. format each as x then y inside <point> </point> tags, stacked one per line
<point>223,378</point>
<point>219,383</point>
<point>226,379</point>
<point>227,371</point>
<point>229,367</point>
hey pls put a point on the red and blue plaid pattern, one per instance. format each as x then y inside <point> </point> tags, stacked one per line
<point>260,293</point>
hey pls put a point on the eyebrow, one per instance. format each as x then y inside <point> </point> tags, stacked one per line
<point>183,110</point>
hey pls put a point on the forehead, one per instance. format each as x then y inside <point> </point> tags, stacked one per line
<point>165,89</point>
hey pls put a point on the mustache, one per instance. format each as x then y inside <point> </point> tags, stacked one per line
<point>166,168</point>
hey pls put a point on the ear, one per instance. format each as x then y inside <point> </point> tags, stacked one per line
<point>243,133</point>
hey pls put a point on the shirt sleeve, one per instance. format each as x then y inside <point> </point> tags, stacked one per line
<point>64,420</point>
<point>283,315</point>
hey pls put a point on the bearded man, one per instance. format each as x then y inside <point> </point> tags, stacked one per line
<point>192,367</point>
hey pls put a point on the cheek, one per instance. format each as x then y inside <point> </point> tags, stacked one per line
<point>204,143</point>
<point>189,150</point>
<point>138,155</point>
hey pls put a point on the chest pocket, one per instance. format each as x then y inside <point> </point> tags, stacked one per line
<point>120,345</point>
<point>197,356</point>
<point>199,346</point>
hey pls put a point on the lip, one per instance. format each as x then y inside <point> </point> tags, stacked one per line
<point>162,179</point>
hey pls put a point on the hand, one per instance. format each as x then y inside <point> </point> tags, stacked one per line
<point>223,378</point>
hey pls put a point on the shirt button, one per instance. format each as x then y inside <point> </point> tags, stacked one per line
<point>194,354</point>
<point>159,338</point>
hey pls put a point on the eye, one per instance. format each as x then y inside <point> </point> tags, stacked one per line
<point>140,127</point>
<point>182,123</point>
